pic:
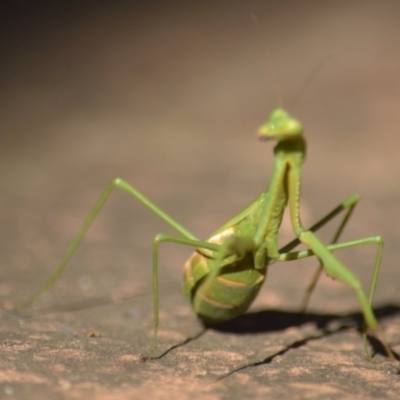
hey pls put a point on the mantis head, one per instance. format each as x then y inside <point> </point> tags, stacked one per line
<point>280,126</point>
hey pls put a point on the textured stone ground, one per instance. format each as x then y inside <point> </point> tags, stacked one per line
<point>169,97</point>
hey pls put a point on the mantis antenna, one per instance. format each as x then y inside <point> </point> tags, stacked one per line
<point>275,81</point>
<point>306,83</point>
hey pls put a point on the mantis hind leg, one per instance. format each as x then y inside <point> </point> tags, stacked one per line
<point>126,187</point>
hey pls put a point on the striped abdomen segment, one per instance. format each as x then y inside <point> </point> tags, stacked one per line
<point>229,294</point>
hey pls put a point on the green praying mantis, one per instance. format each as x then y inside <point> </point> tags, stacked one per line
<point>225,273</point>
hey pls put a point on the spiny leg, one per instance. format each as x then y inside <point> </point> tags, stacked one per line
<point>126,187</point>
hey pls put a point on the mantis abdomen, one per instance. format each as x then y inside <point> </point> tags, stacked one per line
<point>228,293</point>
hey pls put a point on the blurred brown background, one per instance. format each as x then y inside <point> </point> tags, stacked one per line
<point>169,95</point>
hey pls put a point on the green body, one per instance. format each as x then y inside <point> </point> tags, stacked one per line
<point>226,272</point>
<point>229,292</point>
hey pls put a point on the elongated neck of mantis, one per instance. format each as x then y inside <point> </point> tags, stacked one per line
<point>288,153</point>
